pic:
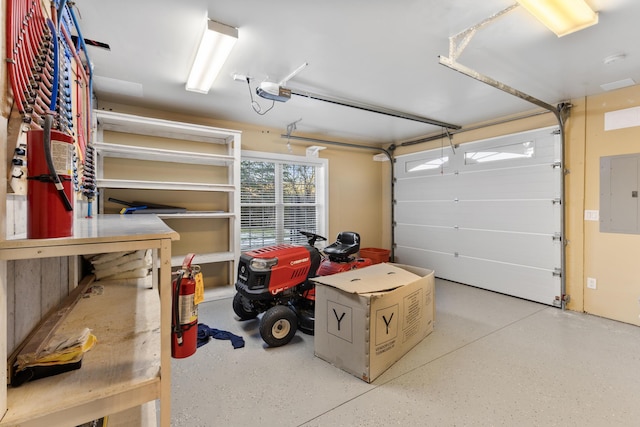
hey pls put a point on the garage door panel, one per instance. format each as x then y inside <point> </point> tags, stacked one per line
<point>516,150</point>
<point>428,213</point>
<point>536,182</point>
<point>529,283</point>
<point>427,188</point>
<point>442,239</point>
<point>536,250</point>
<point>427,164</point>
<point>543,150</point>
<point>443,264</point>
<point>531,216</point>
<point>538,285</point>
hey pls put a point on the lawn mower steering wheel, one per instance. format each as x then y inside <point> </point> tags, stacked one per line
<point>312,237</point>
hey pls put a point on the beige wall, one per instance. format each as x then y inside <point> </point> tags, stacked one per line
<point>611,258</point>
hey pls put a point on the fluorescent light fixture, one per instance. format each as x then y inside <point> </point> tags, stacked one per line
<point>562,16</point>
<point>216,44</point>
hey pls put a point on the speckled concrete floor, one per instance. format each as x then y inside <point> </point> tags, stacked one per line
<point>492,360</point>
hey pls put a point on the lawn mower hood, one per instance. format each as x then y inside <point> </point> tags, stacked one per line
<point>268,271</point>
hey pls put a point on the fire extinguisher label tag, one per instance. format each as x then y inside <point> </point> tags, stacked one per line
<point>199,295</point>
<point>62,153</point>
<point>188,310</point>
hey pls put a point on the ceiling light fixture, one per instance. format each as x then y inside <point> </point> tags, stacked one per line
<point>562,17</point>
<point>619,84</point>
<point>216,44</point>
<point>614,58</point>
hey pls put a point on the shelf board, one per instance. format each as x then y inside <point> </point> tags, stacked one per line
<point>162,155</point>
<point>155,185</point>
<point>205,258</point>
<point>120,372</point>
<point>127,123</point>
<point>196,215</point>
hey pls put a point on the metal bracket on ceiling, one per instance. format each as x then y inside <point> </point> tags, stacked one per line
<point>448,62</point>
<point>564,109</point>
<point>450,137</point>
<point>290,128</point>
<point>458,42</point>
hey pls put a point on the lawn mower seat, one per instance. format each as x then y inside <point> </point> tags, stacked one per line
<point>347,243</point>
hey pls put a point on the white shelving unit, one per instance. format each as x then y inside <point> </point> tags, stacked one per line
<point>198,138</point>
<point>131,364</point>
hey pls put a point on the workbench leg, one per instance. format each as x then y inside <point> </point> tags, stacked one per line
<point>3,336</point>
<point>164,285</point>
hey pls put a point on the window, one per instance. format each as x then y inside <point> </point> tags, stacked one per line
<point>422,165</point>
<point>520,150</point>
<point>279,197</point>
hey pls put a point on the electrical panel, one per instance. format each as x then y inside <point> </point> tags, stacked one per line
<point>619,202</point>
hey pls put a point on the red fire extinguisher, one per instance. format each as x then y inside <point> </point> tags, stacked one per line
<point>187,293</point>
<point>49,186</point>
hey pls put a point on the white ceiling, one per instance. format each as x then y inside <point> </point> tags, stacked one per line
<point>379,52</point>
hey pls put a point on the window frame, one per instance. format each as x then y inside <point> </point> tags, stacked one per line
<point>322,188</point>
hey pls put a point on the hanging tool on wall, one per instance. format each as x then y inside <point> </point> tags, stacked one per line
<point>88,186</point>
<point>50,82</point>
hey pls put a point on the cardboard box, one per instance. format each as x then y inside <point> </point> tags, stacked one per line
<point>367,319</point>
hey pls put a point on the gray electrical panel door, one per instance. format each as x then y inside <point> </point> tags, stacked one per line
<point>619,185</point>
<point>488,214</point>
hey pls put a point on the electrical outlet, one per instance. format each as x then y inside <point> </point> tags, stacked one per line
<point>591,215</point>
<point>591,283</point>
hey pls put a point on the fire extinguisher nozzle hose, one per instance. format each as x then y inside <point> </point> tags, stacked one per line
<point>48,120</point>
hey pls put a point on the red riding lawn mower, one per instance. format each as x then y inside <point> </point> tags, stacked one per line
<point>274,280</point>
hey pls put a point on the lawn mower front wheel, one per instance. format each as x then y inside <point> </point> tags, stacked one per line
<point>278,325</point>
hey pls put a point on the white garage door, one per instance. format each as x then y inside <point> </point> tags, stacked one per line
<point>488,215</point>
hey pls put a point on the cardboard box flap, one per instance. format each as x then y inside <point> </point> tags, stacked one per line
<point>374,278</point>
